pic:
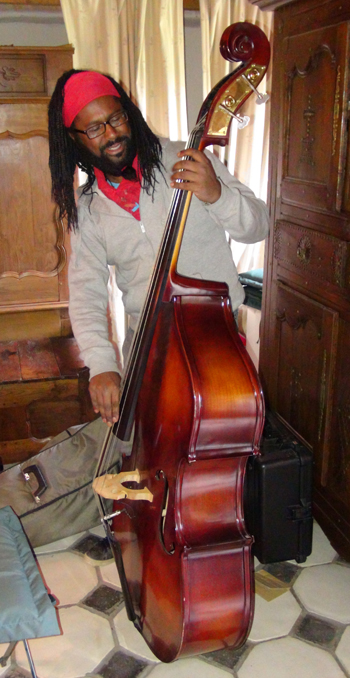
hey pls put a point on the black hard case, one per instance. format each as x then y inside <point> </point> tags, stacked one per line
<point>278,488</point>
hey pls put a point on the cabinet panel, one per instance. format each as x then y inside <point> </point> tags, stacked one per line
<point>338,480</point>
<point>21,118</point>
<point>316,256</point>
<point>315,113</point>
<point>22,74</point>
<point>306,340</point>
<point>29,234</point>
<point>32,72</point>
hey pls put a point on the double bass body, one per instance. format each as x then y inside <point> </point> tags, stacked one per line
<point>186,554</point>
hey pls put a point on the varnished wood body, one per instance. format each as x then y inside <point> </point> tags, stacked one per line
<point>190,571</point>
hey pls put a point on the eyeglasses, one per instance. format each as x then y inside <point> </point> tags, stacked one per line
<point>99,128</point>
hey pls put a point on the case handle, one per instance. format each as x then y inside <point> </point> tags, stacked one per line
<point>39,477</point>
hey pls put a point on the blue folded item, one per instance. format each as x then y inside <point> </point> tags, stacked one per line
<point>26,610</point>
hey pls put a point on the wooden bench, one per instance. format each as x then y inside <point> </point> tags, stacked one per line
<point>43,391</point>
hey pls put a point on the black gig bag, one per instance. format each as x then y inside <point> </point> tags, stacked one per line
<point>278,488</point>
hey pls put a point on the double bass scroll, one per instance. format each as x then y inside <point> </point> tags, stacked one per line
<point>190,388</point>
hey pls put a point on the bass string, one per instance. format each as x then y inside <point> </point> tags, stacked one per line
<point>178,198</point>
<point>110,442</point>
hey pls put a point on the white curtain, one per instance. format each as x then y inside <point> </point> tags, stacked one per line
<point>247,156</point>
<point>141,44</point>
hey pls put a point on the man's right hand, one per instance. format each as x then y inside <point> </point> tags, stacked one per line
<point>105,392</point>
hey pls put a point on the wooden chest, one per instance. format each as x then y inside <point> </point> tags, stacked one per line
<point>43,391</point>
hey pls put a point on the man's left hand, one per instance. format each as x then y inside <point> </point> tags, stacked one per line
<point>197,175</point>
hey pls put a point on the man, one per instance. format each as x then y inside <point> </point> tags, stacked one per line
<point>122,210</point>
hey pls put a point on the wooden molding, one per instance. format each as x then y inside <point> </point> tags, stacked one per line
<point>270,4</point>
<point>191,4</point>
<point>188,4</point>
<point>55,3</point>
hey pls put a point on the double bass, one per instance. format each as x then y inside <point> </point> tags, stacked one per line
<point>177,525</point>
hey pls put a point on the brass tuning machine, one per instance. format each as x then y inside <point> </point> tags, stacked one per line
<point>227,105</point>
<point>260,98</point>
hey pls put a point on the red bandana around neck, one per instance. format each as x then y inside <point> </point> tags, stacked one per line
<point>127,195</point>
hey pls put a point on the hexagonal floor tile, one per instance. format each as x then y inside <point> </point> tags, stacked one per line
<point>343,649</point>
<point>86,640</point>
<point>109,574</point>
<point>68,576</point>
<point>130,638</point>
<point>325,591</point>
<point>288,658</point>
<point>322,550</point>
<point>275,618</point>
<point>104,599</point>
<point>184,668</point>
<point>60,545</point>
<point>227,657</point>
<point>99,531</point>
<point>318,631</point>
<point>122,665</point>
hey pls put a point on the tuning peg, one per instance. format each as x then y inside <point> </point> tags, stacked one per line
<point>242,121</point>
<point>260,98</point>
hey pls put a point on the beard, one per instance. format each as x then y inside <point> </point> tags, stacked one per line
<point>116,167</point>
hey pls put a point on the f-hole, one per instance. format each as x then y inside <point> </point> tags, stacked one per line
<point>160,475</point>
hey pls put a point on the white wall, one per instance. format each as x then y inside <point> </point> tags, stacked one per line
<point>193,65</point>
<point>26,26</point>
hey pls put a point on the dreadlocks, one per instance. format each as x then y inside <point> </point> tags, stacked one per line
<point>65,154</point>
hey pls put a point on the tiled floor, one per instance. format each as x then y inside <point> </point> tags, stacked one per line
<point>301,627</point>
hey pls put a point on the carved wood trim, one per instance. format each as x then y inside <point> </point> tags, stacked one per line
<point>191,5</point>
<point>25,135</point>
<point>24,308</point>
<point>30,2</point>
<point>13,49</point>
<point>271,5</point>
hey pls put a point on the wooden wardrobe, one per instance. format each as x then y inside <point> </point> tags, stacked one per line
<point>43,384</point>
<point>305,337</point>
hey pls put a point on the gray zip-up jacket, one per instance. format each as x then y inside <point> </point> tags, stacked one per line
<point>108,235</point>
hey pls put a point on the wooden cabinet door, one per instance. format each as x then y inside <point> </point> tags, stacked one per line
<point>314,119</point>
